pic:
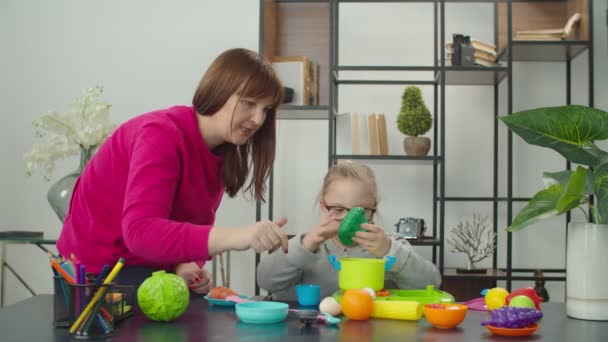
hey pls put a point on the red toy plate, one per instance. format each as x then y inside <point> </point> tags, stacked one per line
<point>513,332</point>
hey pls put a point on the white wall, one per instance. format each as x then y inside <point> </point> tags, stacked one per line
<point>150,54</point>
<point>147,54</point>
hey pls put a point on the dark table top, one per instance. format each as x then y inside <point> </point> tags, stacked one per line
<point>31,320</point>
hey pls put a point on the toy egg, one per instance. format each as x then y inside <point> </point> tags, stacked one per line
<point>331,306</point>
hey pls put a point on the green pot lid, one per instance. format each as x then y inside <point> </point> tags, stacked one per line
<point>351,223</point>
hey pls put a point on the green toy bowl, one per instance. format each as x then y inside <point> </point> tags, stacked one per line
<point>262,312</point>
<point>351,224</point>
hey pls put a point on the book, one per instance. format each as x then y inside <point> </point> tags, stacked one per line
<point>352,134</point>
<point>485,47</point>
<point>372,126</point>
<point>550,33</point>
<point>348,133</point>
<point>382,137</point>
<point>477,53</point>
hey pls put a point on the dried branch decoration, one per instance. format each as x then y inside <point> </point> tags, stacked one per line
<point>474,239</point>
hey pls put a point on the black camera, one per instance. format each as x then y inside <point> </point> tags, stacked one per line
<point>411,228</point>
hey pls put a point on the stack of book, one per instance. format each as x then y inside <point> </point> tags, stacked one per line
<point>484,53</point>
<point>361,134</point>
<point>551,33</point>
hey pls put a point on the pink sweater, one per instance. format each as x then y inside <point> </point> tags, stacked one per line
<point>149,195</point>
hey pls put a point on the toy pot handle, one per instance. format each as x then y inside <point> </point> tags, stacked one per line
<point>390,260</point>
<point>334,261</point>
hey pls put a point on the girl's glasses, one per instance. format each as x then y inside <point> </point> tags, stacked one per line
<point>338,212</point>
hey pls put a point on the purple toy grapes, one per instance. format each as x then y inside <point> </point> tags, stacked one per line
<point>513,317</point>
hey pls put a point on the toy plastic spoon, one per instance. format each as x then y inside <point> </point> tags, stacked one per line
<point>477,304</point>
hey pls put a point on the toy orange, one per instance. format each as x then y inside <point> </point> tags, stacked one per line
<point>357,304</point>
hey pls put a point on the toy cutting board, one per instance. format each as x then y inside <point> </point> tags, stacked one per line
<point>425,296</point>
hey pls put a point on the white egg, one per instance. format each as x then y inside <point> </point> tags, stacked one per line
<point>371,292</point>
<point>331,306</point>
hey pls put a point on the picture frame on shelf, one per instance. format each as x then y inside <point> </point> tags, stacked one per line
<point>295,73</point>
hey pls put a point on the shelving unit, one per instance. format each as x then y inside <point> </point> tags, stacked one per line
<point>311,28</point>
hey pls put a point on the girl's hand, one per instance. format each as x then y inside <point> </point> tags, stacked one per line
<point>264,236</point>
<point>198,279</point>
<point>327,229</point>
<point>374,240</point>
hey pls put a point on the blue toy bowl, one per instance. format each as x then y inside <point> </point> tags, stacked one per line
<point>262,312</point>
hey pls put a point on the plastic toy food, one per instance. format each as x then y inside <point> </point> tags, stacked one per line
<point>163,296</point>
<point>331,306</point>
<point>357,304</point>
<point>513,317</point>
<point>528,292</point>
<point>445,316</point>
<point>221,292</point>
<point>522,301</point>
<point>496,298</point>
<point>351,223</point>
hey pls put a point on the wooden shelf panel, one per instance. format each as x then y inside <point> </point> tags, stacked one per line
<point>299,29</point>
<point>289,112</point>
<point>546,51</point>
<point>424,242</point>
<point>401,159</point>
<point>542,14</point>
<point>474,75</point>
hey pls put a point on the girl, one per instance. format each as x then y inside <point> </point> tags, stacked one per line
<point>151,191</point>
<point>346,185</point>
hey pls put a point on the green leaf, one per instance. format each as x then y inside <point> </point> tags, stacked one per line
<point>601,191</point>
<point>592,149</point>
<point>541,206</point>
<point>562,177</point>
<point>571,197</point>
<point>567,130</point>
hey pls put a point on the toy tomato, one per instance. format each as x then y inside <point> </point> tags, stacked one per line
<point>528,292</point>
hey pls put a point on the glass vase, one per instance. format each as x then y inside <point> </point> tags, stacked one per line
<point>60,193</point>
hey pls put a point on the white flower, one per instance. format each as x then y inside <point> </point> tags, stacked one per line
<point>84,127</point>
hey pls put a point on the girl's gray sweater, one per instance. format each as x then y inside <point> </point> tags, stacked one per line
<point>279,273</point>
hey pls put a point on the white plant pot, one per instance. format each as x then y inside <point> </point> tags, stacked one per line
<point>586,275</point>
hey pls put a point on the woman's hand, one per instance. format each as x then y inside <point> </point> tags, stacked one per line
<point>264,236</point>
<point>374,240</point>
<point>261,236</point>
<point>325,230</point>
<point>198,279</point>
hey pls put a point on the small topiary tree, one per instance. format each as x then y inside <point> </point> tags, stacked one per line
<point>414,118</point>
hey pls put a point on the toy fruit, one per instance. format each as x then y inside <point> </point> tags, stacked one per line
<point>522,301</point>
<point>331,306</point>
<point>513,318</point>
<point>496,298</point>
<point>221,292</point>
<point>526,291</point>
<point>163,296</point>
<point>357,304</point>
<point>351,223</point>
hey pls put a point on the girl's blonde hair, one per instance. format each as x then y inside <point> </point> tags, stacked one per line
<point>350,170</point>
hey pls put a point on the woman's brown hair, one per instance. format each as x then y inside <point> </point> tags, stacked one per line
<point>249,74</point>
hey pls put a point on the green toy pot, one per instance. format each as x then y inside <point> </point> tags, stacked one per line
<point>358,273</point>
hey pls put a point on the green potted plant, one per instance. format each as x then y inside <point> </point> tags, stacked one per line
<point>572,131</point>
<point>413,120</point>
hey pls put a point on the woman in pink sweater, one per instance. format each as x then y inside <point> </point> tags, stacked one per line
<point>150,193</point>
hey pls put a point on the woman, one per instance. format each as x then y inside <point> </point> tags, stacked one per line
<point>151,192</point>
